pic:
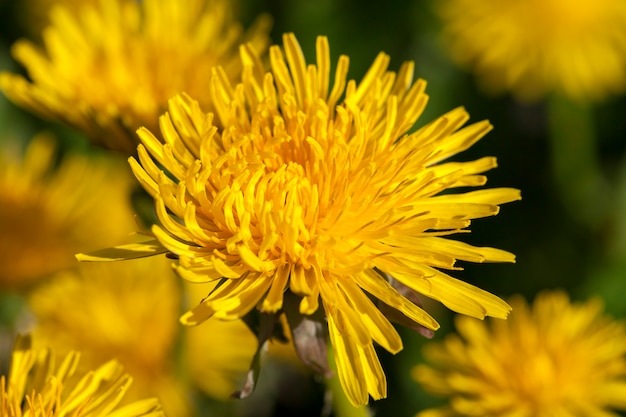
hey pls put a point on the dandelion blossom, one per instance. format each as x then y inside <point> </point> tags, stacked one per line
<point>111,68</point>
<point>311,197</point>
<point>533,47</point>
<point>555,358</point>
<point>128,311</point>
<point>47,212</point>
<point>35,387</point>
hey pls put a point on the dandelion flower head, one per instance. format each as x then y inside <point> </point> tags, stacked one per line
<point>110,68</point>
<point>128,311</point>
<point>48,207</point>
<point>36,387</point>
<point>554,358</point>
<point>534,47</point>
<point>320,193</point>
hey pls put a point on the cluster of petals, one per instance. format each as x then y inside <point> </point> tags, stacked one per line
<point>48,205</point>
<point>35,387</point>
<point>539,47</point>
<point>108,68</point>
<point>555,357</point>
<point>294,185</point>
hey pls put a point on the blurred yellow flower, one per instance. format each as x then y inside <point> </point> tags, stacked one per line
<point>110,69</point>
<point>326,195</point>
<point>534,47</point>
<point>35,388</point>
<point>127,311</point>
<point>47,212</point>
<point>555,358</point>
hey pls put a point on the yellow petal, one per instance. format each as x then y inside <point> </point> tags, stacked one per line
<point>455,294</point>
<point>380,329</point>
<point>274,299</point>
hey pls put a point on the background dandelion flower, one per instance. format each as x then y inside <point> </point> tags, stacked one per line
<point>48,211</point>
<point>534,47</point>
<point>92,61</point>
<point>322,192</point>
<point>127,311</point>
<point>554,358</point>
<point>35,387</point>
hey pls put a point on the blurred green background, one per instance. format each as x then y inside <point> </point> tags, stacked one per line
<point>556,245</point>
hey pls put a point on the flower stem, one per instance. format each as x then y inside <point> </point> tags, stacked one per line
<point>575,166</point>
<point>340,403</point>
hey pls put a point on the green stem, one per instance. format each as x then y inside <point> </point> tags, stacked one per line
<point>341,405</point>
<point>575,166</point>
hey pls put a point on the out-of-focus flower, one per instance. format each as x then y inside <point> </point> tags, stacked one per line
<point>48,212</point>
<point>128,311</point>
<point>35,388</point>
<point>111,68</point>
<point>314,193</point>
<point>533,47</point>
<point>555,358</point>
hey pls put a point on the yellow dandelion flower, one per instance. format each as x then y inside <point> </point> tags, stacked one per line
<point>533,47</point>
<point>323,192</point>
<point>555,358</point>
<point>112,68</point>
<point>47,214</point>
<point>35,387</point>
<point>128,311</point>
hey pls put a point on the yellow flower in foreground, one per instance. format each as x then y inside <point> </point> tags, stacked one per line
<point>47,214</point>
<point>112,68</point>
<point>35,387</point>
<point>555,358</point>
<point>326,197</point>
<point>537,46</point>
<point>128,311</point>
